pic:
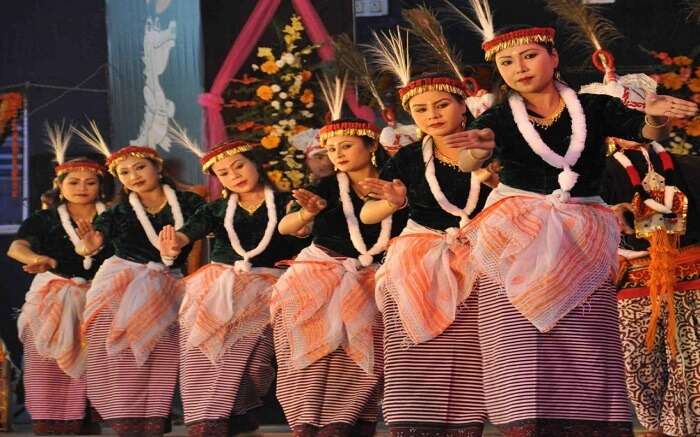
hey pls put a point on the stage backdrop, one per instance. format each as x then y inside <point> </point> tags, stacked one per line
<point>13,184</point>
<point>156,74</point>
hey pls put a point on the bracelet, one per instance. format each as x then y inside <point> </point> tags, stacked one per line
<point>398,208</point>
<point>301,216</point>
<point>655,126</point>
<point>476,158</point>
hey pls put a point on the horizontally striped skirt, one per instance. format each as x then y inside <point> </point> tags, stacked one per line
<point>332,396</point>
<point>56,402</point>
<point>134,400</point>
<point>664,390</point>
<point>434,388</point>
<point>565,382</point>
<point>215,396</point>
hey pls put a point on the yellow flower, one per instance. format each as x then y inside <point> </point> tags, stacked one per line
<point>264,92</point>
<point>270,141</point>
<point>296,176</point>
<point>266,52</point>
<point>694,85</point>
<point>307,97</point>
<point>296,23</point>
<point>682,60</point>
<point>693,128</point>
<point>671,81</point>
<point>269,67</point>
<point>275,175</point>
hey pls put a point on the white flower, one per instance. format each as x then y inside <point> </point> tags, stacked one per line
<point>288,104</point>
<point>310,105</point>
<point>291,122</point>
<point>306,114</point>
<point>275,104</point>
<point>255,67</point>
<point>283,122</point>
<point>283,95</point>
<point>288,58</point>
<point>279,63</point>
<point>275,88</point>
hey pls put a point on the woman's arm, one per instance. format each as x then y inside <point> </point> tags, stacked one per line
<point>20,250</point>
<point>311,205</point>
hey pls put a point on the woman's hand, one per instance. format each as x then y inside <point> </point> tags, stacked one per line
<point>393,192</point>
<point>619,211</point>
<point>92,239</point>
<point>40,264</point>
<point>483,139</point>
<point>312,203</point>
<point>168,242</point>
<point>668,106</point>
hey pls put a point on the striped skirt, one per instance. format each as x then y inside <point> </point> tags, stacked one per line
<point>56,402</point>
<point>134,400</point>
<point>568,381</point>
<point>434,388</point>
<point>331,394</point>
<point>214,395</point>
<point>665,390</point>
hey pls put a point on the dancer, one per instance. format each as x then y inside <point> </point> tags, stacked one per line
<point>326,325</point>
<point>48,245</point>
<point>226,348</point>
<point>132,305</point>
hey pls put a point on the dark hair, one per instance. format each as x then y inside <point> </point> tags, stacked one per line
<point>500,88</point>
<point>52,197</point>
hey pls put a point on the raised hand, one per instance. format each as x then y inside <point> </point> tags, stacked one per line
<point>619,211</point>
<point>668,106</point>
<point>311,202</point>
<point>393,192</point>
<point>168,242</point>
<point>471,139</point>
<point>40,264</point>
<point>92,239</point>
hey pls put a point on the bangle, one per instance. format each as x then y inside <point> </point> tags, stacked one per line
<point>398,208</point>
<point>651,124</point>
<point>476,158</point>
<point>301,216</point>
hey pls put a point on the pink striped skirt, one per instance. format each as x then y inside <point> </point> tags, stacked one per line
<point>333,393</point>
<point>134,400</point>
<point>568,381</point>
<point>54,400</point>
<point>434,388</point>
<point>214,394</point>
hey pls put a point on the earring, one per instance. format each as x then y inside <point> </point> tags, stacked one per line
<point>60,197</point>
<point>374,159</point>
<point>557,75</point>
<point>419,133</point>
<point>224,193</point>
<point>464,121</point>
<point>504,88</point>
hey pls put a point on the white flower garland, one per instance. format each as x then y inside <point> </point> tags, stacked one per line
<point>73,234</point>
<point>146,224</point>
<point>474,188</point>
<point>567,178</point>
<point>366,256</point>
<point>244,265</point>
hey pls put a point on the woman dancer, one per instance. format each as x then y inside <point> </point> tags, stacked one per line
<point>544,250</point>
<point>432,359</point>
<point>326,325</point>
<point>132,305</point>
<point>226,348</point>
<point>48,245</point>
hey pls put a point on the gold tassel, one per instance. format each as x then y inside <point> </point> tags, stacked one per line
<point>663,251</point>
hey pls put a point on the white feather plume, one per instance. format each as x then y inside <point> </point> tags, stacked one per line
<point>391,54</point>
<point>93,138</point>
<point>333,94</point>
<point>484,17</point>
<point>58,137</point>
<point>178,134</point>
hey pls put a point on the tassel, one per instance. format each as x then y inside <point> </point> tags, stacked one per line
<point>663,251</point>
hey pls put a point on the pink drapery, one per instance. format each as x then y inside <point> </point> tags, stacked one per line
<point>245,42</point>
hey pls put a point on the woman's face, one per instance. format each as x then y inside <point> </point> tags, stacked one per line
<point>320,165</point>
<point>139,175</point>
<point>527,68</point>
<point>236,173</point>
<point>437,113</point>
<point>80,187</point>
<point>348,153</point>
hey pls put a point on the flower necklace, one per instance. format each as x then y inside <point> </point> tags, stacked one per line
<point>73,234</point>
<point>244,265</point>
<point>475,187</point>
<point>366,256</point>
<point>146,224</point>
<point>567,178</point>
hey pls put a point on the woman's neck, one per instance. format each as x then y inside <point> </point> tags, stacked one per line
<point>81,211</point>
<point>152,198</point>
<point>255,194</point>
<point>369,171</point>
<point>446,151</point>
<point>544,102</point>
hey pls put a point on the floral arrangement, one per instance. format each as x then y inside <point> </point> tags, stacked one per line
<point>681,80</point>
<point>275,102</point>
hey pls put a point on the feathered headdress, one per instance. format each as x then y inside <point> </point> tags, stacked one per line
<point>353,62</point>
<point>484,27</point>
<point>391,53</point>
<point>178,134</point>
<point>92,137</point>
<point>58,137</point>
<point>333,93</point>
